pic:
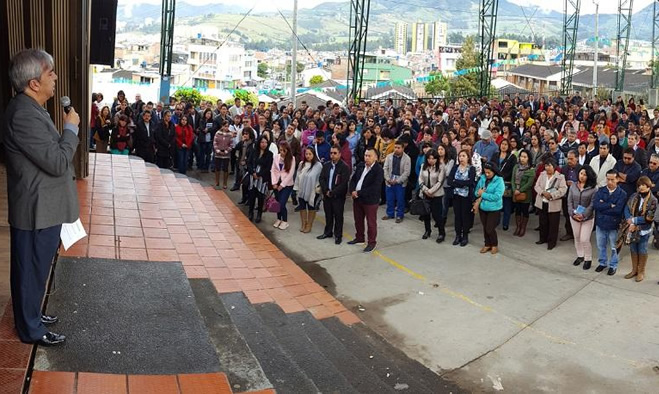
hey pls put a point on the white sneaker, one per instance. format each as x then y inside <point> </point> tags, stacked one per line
<point>283,225</point>
<point>277,223</point>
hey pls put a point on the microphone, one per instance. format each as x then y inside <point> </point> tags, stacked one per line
<point>66,103</point>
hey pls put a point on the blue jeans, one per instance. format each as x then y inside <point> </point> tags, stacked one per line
<point>204,155</point>
<point>640,247</point>
<point>607,238</point>
<point>395,200</point>
<point>282,196</point>
<point>182,159</point>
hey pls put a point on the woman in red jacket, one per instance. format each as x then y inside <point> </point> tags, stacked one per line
<point>184,139</point>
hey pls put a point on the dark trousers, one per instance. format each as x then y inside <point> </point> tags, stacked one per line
<point>182,159</point>
<point>436,214</point>
<point>463,215</point>
<point>32,253</point>
<point>490,220</point>
<point>256,197</point>
<point>566,215</point>
<point>333,207</point>
<point>521,208</point>
<point>507,210</point>
<point>549,222</point>
<point>370,212</point>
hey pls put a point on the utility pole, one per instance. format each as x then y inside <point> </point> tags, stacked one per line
<point>294,56</point>
<point>597,9</point>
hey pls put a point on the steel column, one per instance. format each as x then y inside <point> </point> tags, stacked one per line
<point>359,12</point>
<point>166,47</point>
<point>571,23</point>
<point>488,27</point>
<point>655,42</point>
<point>622,40</point>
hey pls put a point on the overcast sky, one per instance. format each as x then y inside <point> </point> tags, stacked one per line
<point>587,7</point>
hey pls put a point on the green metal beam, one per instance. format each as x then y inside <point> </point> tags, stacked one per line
<point>571,23</point>
<point>622,40</point>
<point>655,44</point>
<point>359,12</point>
<point>167,36</point>
<point>487,28</point>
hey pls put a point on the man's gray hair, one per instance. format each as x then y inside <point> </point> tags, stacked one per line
<point>654,156</point>
<point>27,65</point>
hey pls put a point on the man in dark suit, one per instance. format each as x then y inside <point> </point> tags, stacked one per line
<point>40,188</point>
<point>365,190</point>
<point>144,138</point>
<point>334,184</point>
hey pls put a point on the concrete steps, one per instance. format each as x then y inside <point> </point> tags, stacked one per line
<point>296,353</point>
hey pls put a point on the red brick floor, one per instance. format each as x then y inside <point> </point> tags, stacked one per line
<point>134,212</point>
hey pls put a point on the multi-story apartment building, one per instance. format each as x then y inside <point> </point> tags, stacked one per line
<point>228,67</point>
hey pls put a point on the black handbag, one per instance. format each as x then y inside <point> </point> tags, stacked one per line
<point>420,206</point>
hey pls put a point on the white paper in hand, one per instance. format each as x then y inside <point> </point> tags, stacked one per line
<point>72,233</point>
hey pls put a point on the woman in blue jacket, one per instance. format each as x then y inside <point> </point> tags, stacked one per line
<point>489,201</point>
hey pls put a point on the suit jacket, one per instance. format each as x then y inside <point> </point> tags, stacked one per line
<point>372,185</point>
<point>144,142</point>
<point>40,179</point>
<point>340,182</point>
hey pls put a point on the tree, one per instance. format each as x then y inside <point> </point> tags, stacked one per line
<point>466,84</point>
<point>189,95</point>
<point>245,96</point>
<point>300,68</point>
<point>262,70</point>
<point>316,79</point>
<point>438,85</point>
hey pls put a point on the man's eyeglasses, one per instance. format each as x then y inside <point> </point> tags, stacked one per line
<point>334,153</point>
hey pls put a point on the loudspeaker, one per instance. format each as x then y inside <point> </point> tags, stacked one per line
<point>102,29</point>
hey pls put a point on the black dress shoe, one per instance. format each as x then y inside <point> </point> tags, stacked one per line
<point>338,241</point>
<point>586,265</point>
<point>46,319</point>
<point>578,261</point>
<point>324,236</point>
<point>611,271</point>
<point>425,235</point>
<point>369,248</point>
<point>258,217</point>
<point>234,188</point>
<point>550,247</point>
<point>567,237</point>
<point>505,228</point>
<point>600,268</point>
<point>440,238</point>
<point>457,240</point>
<point>355,242</point>
<point>51,339</point>
<point>464,241</point>
<point>540,242</point>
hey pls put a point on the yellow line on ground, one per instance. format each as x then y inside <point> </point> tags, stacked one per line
<point>485,308</point>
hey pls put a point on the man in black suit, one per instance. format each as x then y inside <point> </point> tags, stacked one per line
<point>334,184</point>
<point>144,138</point>
<point>365,190</point>
<point>193,120</point>
<point>41,190</point>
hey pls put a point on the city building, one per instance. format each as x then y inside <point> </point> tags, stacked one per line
<point>230,68</point>
<point>447,57</point>
<point>420,37</point>
<point>438,34</point>
<point>400,38</point>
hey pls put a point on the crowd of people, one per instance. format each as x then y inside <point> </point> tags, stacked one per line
<point>593,162</point>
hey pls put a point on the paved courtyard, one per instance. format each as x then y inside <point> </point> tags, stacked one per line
<point>524,320</point>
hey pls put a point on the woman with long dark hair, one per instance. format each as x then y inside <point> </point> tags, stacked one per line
<point>102,128</point>
<point>205,133</point>
<point>184,141</point>
<point>489,196</point>
<point>462,180</point>
<point>308,173</point>
<point>521,183</point>
<point>507,161</point>
<point>259,165</point>
<point>580,209</point>
<point>165,137</point>
<point>431,188</point>
<point>282,174</point>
